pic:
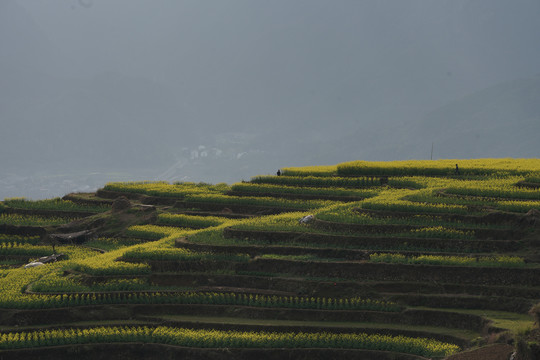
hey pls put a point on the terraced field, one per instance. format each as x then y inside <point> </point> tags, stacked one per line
<point>397,260</point>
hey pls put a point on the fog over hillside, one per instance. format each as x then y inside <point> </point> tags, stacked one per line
<point>94,91</point>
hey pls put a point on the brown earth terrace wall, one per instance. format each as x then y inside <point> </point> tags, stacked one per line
<point>236,208</point>
<point>327,252</point>
<point>297,196</point>
<point>16,317</point>
<point>22,230</point>
<point>400,272</point>
<point>495,234</point>
<point>50,213</point>
<point>338,288</point>
<point>366,271</point>
<point>495,218</point>
<point>383,242</point>
<point>145,199</point>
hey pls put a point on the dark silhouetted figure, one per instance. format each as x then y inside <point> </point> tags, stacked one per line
<point>279,172</point>
<point>457,170</point>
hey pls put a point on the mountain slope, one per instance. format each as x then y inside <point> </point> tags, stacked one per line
<point>500,121</point>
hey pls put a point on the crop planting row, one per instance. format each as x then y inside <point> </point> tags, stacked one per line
<point>32,220</point>
<point>56,204</point>
<point>396,241</point>
<point>358,223</point>
<point>71,284</point>
<point>225,339</point>
<point>195,199</point>
<point>408,206</point>
<point>328,182</point>
<point>164,189</point>
<point>109,294</point>
<point>494,261</point>
<point>517,206</point>
<point>190,221</point>
<point>19,239</point>
<point>485,189</point>
<point>534,179</point>
<point>386,229</point>
<point>280,191</point>
<point>100,267</point>
<point>397,258</point>
<point>349,215</point>
<point>23,249</point>
<point>359,270</point>
<point>152,232</point>
<point>179,254</point>
<point>351,250</point>
<point>496,192</point>
<point>480,167</point>
<point>113,243</point>
<point>317,171</point>
<point>424,202</point>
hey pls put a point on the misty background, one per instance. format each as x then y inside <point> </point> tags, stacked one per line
<point>218,91</point>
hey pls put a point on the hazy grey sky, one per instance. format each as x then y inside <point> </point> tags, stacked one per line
<point>129,79</point>
<point>243,63</point>
<point>175,40</point>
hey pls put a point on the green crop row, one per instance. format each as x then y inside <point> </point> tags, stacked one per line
<point>217,238</point>
<point>407,206</point>
<point>496,192</point>
<point>533,179</point>
<point>428,196</point>
<point>256,201</point>
<point>314,181</point>
<point>431,227</point>
<point>190,221</point>
<point>19,239</point>
<point>80,296</point>
<point>97,266</point>
<point>296,302</point>
<point>397,201</point>
<point>439,232</point>
<point>225,339</point>
<point>280,222</point>
<point>32,220</point>
<point>179,254</point>
<point>162,188</point>
<point>306,257</point>
<point>519,206</point>
<point>319,171</point>
<point>152,231</point>
<point>494,261</point>
<point>56,204</point>
<point>476,167</point>
<point>55,284</point>
<point>296,190</point>
<point>109,244</point>
<point>24,249</point>
<point>347,214</point>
